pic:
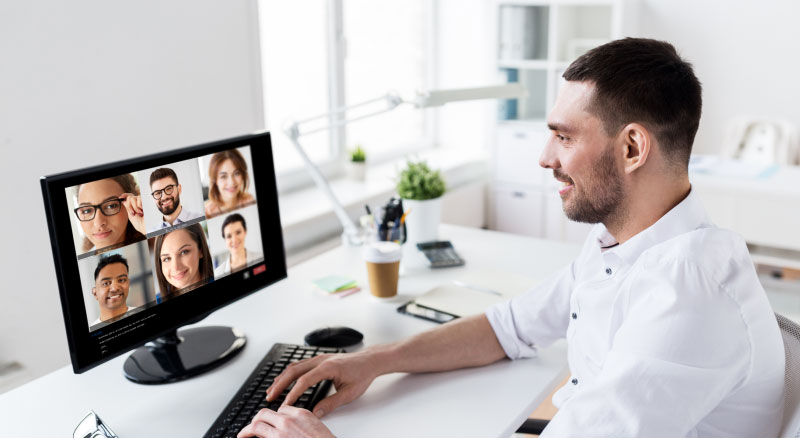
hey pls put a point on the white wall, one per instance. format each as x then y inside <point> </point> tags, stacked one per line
<point>91,81</point>
<point>745,52</point>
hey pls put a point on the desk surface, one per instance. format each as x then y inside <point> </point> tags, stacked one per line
<point>481,402</point>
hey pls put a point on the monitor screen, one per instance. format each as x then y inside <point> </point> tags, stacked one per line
<point>144,246</point>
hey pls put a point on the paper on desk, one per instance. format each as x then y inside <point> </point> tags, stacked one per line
<point>465,301</point>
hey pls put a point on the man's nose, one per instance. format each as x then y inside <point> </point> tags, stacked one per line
<point>549,158</point>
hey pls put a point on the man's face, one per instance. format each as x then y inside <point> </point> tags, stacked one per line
<point>111,286</point>
<point>583,157</point>
<point>168,203</point>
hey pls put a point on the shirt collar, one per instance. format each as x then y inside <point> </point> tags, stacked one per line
<point>687,216</point>
<point>178,220</point>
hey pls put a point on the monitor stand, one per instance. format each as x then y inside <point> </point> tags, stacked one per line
<point>182,354</point>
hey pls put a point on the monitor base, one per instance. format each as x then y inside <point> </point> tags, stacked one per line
<point>183,354</point>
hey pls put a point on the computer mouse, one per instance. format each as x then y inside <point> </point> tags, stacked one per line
<point>336,337</point>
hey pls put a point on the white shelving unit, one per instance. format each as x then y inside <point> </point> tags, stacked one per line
<point>535,42</point>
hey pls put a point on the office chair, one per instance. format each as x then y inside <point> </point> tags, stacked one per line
<point>790,428</point>
<point>791,404</point>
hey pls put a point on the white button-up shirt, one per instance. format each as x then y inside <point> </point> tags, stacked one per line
<point>669,334</point>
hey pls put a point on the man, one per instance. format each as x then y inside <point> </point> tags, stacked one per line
<point>111,286</point>
<point>669,332</point>
<point>166,192</point>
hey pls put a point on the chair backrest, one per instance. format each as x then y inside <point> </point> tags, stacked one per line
<point>791,408</point>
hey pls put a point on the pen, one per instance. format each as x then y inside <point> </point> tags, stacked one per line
<point>477,288</point>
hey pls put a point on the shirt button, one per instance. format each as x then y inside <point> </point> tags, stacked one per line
<point>574,315</point>
<point>574,381</point>
<point>608,271</point>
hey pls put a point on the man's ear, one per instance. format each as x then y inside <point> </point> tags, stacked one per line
<point>638,143</point>
<point>179,189</point>
<point>94,292</point>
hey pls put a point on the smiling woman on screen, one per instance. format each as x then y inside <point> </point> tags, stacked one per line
<point>234,231</point>
<point>110,213</point>
<point>182,261</point>
<point>229,181</point>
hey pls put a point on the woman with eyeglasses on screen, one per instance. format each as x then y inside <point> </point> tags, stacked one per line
<point>110,213</point>
<point>234,231</point>
<point>182,260</point>
<point>228,181</point>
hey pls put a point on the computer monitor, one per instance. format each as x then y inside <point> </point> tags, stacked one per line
<point>147,245</point>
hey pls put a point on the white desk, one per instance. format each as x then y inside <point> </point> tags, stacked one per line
<point>482,402</point>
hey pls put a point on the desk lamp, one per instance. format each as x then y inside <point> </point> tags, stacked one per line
<point>436,98</point>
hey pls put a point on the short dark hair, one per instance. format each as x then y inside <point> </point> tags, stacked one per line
<point>644,81</point>
<point>109,260</point>
<point>164,172</point>
<point>236,217</point>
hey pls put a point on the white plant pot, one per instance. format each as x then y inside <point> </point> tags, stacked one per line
<point>357,171</point>
<point>422,221</point>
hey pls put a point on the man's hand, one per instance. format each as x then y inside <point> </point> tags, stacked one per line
<point>351,375</point>
<point>133,205</point>
<point>288,422</point>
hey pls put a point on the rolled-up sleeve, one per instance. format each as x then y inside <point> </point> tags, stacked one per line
<point>535,318</point>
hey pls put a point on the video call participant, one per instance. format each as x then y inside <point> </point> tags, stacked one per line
<point>234,231</point>
<point>668,329</point>
<point>182,261</point>
<point>111,287</point>
<point>110,213</point>
<point>228,183</point>
<point>166,192</point>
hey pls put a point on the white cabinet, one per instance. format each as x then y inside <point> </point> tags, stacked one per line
<point>535,42</point>
<point>518,211</point>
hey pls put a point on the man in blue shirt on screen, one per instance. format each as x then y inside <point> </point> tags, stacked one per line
<point>668,329</point>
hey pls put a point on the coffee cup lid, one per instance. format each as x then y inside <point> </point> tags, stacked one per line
<point>383,252</point>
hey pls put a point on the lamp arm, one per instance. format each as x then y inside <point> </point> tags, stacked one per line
<point>350,235</point>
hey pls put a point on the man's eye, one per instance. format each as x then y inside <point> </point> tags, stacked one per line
<point>123,280</point>
<point>106,284</point>
<point>87,210</point>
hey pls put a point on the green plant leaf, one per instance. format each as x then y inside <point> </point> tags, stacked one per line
<point>418,182</point>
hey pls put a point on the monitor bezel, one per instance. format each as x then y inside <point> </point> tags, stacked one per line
<point>186,309</point>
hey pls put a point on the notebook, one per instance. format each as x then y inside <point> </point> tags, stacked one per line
<point>473,292</point>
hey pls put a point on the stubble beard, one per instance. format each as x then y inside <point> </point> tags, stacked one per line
<point>176,202</point>
<point>601,196</point>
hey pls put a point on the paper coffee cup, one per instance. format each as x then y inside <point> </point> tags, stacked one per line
<point>383,268</point>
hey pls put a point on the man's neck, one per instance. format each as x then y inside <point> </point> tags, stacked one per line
<point>106,314</point>
<point>171,218</point>
<point>645,208</point>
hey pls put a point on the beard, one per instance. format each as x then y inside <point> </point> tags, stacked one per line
<point>599,197</point>
<point>176,202</point>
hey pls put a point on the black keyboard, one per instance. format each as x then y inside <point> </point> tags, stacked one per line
<point>251,397</point>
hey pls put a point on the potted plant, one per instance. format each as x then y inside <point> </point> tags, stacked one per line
<point>421,189</point>
<point>358,163</point>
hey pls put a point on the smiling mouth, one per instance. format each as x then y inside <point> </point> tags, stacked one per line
<point>102,235</point>
<point>114,297</point>
<point>179,275</point>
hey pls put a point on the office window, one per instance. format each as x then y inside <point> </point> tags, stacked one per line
<point>294,68</point>
<point>387,42</point>
<point>305,74</point>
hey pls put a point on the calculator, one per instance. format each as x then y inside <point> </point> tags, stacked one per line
<point>440,254</point>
